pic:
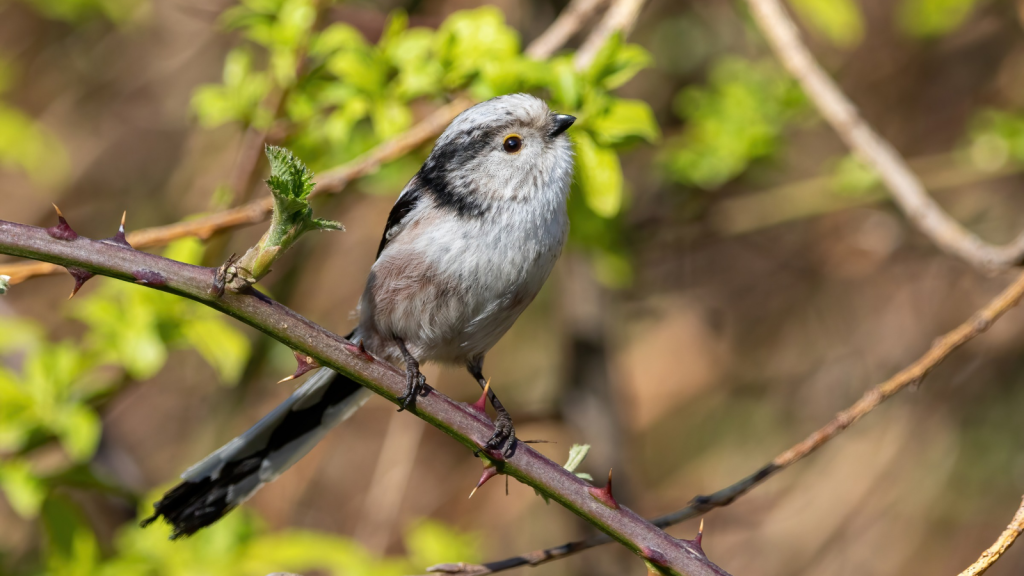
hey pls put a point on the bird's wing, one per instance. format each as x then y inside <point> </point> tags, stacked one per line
<point>407,200</point>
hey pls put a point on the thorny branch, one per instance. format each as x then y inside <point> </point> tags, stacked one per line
<point>1006,539</point>
<point>912,375</point>
<point>907,190</point>
<point>467,423</point>
<point>336,179</point>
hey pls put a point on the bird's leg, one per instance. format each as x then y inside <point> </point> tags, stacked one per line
<point>504,431</point>
<point>414,380</point>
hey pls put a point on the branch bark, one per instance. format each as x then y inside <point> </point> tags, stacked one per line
<point>914,374</point>
<point>907,190</point>
<point>467,424</point>
<point>994,552</point>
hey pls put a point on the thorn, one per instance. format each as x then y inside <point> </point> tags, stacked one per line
<point>81,276</point>
<point>305,364</point>
<point>700,535</point>
<point>489,472</point>
<point>360,349</point>
<point>604,495</point>
<point>119,238</point>
<point>481,404</point>
<point>62,231</point>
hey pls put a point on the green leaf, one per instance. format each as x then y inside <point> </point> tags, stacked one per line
<point>335,38</point>
<point>78,429</point>
<point>19,333</point>
<point>599,176</point>
<point>390,118</point>
<point>25,491</point>
<point>221,345</point>
<point>623,120</point>
<point>430,542</point>
<point>840,21</point>
<point>27,146</point>
<point>928,18</point>
<point>738,118</point>
<point>73,549</point>
<point>289,179</point>
<point>577,454</point>
<point>5,284</point>
<point>617,62</point>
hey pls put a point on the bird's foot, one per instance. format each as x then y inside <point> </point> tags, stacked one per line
<point>415,382</point>
<point>504,434</point>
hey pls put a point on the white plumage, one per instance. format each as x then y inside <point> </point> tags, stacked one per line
<point>467,247</point>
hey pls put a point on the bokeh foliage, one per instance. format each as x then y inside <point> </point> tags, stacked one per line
<point>333,94</point>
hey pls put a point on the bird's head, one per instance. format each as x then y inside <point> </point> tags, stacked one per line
<point>509,148</point>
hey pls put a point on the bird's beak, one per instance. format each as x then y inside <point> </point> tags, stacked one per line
<point>560,123</point>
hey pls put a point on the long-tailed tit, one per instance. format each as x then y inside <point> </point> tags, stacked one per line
<point>467,246</point>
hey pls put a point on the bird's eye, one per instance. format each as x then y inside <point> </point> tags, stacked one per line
<point>513,143</point>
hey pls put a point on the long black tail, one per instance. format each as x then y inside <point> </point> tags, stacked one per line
<point>229,476</point>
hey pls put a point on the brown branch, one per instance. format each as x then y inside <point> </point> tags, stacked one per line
<point>1006,539</point>
<point>329,182</point>
<point>621,17</point>
<point>471,427</point>
<point>813,197</point>
<point>700,505</point>
<point>563,28</point>
<point>907,190</point>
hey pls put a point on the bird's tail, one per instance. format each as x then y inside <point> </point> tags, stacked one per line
<point>229,476</point>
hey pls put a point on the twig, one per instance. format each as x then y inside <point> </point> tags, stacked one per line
<point>907,191</point>
<point>329,182</point>
<point>1006,539</point>
<point>812,197</point>
<point>563,28</point>
<point>700,505</point>
<point>621,17</point>
<point>60,245</point>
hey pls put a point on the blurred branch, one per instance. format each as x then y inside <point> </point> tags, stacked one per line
<point>814,196</point>
<point>563,28</point>
<point>331,181</point>
<point>258,211</point>
<point>469,425</point>
<point>621,17</point>
<point>1006,539</point>
<point>906,189</point>
<point>914,374</point>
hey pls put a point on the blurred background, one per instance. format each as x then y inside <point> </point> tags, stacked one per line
<point>734,278</point>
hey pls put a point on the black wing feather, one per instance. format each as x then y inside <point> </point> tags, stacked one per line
<point>406,202</point>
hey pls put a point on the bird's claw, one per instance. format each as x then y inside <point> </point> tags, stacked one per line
<point>504,433</point>
<point>415,383</point>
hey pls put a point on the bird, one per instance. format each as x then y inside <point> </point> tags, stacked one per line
<point>467,246</point>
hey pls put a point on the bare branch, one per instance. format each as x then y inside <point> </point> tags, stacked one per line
<point>1006,539</point>
<point>470,427</point>
<point>914,374</point>
<point>563,28</point>
<point>906,189</point>
<point>621,17</point>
